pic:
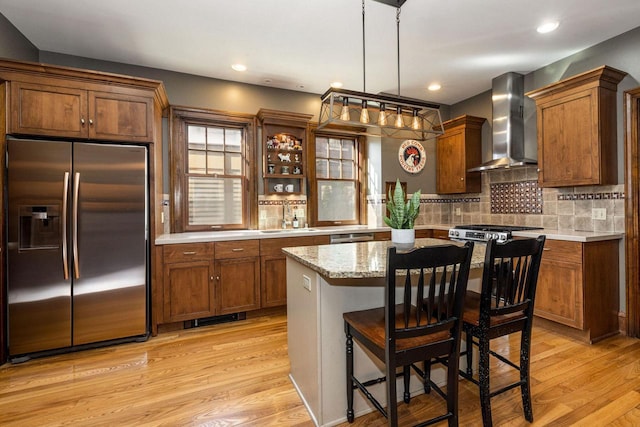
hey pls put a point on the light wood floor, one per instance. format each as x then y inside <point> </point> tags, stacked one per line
<point>236,374</point>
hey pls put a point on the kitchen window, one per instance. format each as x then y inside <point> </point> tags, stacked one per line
<point>335,180</point>
<point>210,168</point>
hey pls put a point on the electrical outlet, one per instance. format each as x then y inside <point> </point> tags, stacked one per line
<point>263,214</point>
<point>599,213</point>
<point>306,282</point>
<point>458,211</point>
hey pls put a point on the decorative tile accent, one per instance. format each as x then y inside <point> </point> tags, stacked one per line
<point>280,202</point>
<point>591,196</point>
<point>430,200</point>
<point>524,197</point>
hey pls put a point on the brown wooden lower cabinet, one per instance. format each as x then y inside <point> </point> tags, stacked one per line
<point>273,270</point>
<point>273,266</point>
<point>237,284</point>
<point>188,291</point>
<point>578,286</point>
<point>210,279</point>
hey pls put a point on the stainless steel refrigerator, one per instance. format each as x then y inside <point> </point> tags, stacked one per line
<point>77,269</point>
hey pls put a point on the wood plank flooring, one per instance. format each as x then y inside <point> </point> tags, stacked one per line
<point>236,374</point>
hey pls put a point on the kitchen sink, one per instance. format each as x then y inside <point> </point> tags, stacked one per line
<point>288,230</point>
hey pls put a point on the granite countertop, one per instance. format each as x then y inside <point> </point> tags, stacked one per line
<point>213,236</point>
<point>364,260</point>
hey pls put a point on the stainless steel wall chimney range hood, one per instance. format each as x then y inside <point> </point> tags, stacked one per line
<point>507,95</point>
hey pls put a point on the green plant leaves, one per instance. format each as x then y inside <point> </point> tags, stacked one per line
<point>401,214</point>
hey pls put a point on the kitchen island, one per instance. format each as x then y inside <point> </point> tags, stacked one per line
<point>322,283</point>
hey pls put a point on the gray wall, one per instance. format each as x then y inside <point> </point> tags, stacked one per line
<point>13,44</point>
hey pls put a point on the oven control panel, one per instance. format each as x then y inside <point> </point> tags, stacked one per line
<point>478,236</point>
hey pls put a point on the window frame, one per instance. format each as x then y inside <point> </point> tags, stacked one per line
<point>359,173</point>
<point>179,120</point>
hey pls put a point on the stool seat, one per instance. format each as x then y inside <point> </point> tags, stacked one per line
<point>371,324</point>
<point>471,313</point>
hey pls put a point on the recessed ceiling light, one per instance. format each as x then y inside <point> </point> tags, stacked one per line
<point>434,86</point>
<point>239,67</point>
<point>336,85</point>
<point>547,27</point>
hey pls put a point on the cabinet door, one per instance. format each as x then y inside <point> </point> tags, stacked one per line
<point>238,284</point>
<point>568,151</point>
<point>48,110</point>
<point>559,295</point>
<point>120,117</point>
<point>450,171</point>
<point>188,290</point>
<point>273,275</point>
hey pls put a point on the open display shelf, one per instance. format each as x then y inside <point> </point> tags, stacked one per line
<point>284,137</point>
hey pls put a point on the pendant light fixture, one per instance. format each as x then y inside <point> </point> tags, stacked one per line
<point>374,111</point>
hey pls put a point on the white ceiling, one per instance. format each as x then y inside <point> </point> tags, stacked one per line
<point>306,44</point>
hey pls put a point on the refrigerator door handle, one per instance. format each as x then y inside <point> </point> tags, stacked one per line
<point>65,196</point>
<point>76,190</point>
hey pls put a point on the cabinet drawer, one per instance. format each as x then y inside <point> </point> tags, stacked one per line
<point>237,249</point>
<point>562,250</point>
<point>188,252</point>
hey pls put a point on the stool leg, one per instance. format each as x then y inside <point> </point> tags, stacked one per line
<point>427,376</point>
<point>525,388</point>
<point>406,373</point>
<point>392,395</point>
<point>483,379</point>
<point>452,388</point>
<point>350,413</point>
<point>469,344</point>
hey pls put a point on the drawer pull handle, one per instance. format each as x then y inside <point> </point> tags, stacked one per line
<point>189,253</point>
<point>546,249</point>
<point>237,249</point>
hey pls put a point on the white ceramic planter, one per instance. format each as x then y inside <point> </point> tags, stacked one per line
<point>403,238</point>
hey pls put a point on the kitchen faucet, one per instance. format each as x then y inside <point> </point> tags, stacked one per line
<point>285,208</point>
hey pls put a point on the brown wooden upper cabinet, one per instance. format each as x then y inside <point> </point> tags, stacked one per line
<point>458,149</point>
<point>576,121</point>
<point>38,109</point>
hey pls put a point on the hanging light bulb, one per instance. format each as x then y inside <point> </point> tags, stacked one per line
<point>415,122</point>
<point>364,114</point>
<point>382,118</point>
<point>399,121</point>
<point>344,113</point>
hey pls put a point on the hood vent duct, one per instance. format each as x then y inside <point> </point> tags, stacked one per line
<point>507,95</point>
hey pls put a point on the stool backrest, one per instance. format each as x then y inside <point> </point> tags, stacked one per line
<point>510,277</point>
<point>436,275</point>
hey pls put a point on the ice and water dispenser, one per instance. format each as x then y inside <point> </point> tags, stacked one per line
<point>39,227</point>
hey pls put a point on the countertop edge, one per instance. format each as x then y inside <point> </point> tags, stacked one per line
<point>215,236</point>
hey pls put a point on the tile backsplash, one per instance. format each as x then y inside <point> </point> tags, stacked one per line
<point>272,210</point>
<point>512,197</point>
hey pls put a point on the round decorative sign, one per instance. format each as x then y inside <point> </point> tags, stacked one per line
<point>412,156</point>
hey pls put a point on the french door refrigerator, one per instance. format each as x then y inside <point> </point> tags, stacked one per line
<point>77,270</point>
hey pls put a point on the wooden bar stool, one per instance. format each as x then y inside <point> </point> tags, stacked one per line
<point>504,306</point>
<point>403,334</point>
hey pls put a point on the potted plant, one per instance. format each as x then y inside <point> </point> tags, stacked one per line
<point>402,215</point>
